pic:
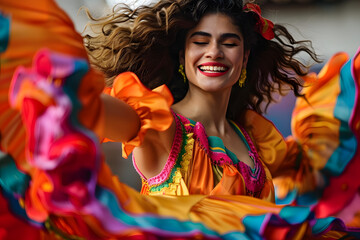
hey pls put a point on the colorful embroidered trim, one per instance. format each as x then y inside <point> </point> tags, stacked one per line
<point>220,155</point>
<point>254,178</point>
<point>171,185</point>
<point>176,166</point>
<point>174,152</point>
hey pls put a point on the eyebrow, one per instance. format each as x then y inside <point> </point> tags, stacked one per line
<point>223,36</point>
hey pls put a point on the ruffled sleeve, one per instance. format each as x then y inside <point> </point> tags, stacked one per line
<point>152,106</point>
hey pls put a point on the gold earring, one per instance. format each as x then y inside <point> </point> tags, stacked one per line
<point>182,72</point>
<point>242,78</point>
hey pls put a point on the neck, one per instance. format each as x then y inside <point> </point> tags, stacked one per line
<point>209,108</point>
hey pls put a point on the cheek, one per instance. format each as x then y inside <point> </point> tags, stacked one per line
<point>191,59</point>
<point>192,54</point>
<point>237,60</point>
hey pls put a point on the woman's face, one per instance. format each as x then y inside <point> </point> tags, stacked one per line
<point>214,53</point>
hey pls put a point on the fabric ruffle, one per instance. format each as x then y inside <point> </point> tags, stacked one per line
<point>45,95</point>
<point>152,106</point>
<point>28,28</point>
<point>25,28</point>
<point>325,140</point>
<point>344,187</point>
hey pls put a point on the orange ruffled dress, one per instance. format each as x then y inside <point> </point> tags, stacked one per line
<point>58,181</point>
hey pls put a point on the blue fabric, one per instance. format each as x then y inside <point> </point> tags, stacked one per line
<point>343,109</point>
<point>295,215</point>
<point>13,185</point>
<point>254,225</point>
<point>290,197</point>
<point>310,198</point>
<point>4,32</point>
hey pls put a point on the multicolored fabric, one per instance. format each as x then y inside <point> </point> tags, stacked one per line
<point>74,192</point>
<point>327,134</point>
<point>70,192</point>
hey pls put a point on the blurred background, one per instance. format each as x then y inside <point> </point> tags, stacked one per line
<point>331,25</point>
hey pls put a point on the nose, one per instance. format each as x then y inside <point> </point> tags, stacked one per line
<point>214,51</point>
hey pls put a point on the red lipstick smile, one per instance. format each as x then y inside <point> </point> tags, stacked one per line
<point>213,69</point>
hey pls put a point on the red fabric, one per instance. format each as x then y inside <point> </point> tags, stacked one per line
<point>12,228</point>
<point>263,26</point>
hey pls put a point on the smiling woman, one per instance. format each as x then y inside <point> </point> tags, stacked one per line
<point>214,44</point>
<point>207,159</point>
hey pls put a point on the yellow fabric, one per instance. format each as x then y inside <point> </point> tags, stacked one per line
<point>219,212</point>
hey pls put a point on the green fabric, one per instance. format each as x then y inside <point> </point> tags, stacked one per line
<point>11,179</point>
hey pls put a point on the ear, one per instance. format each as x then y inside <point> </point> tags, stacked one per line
<point>246,58</point>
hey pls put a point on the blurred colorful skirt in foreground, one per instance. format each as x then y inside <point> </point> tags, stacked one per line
<point>53,174</point>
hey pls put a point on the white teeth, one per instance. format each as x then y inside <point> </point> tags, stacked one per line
<point>212,68</point>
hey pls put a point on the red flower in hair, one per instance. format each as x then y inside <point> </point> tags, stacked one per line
<point>263,26</point>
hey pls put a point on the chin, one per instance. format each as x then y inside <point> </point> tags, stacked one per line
<point>214,88</point>
<point>212,85</point>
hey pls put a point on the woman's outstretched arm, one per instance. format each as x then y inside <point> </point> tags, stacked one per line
<point>121,122</point>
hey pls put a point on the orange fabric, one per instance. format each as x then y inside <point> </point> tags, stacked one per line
<point>357,67</point>
<point>269,142</point>
<point>231,183</point>
<point>153,107</point>
<point>91,114</point>
<point>34,206</point>
<point>314,126</point>
<point>200,172</point>
<point>331,69</point>
<point>315,130</point>
<point>33,26</point>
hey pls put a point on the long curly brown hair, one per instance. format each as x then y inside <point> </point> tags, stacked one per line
<point>147,41</point>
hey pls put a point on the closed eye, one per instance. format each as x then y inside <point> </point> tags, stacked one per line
<point>200,43</point>
<point>230,44</point>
